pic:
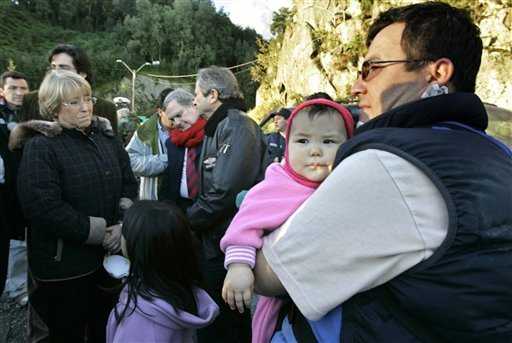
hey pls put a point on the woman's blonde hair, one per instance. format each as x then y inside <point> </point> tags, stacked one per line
<point>57,87</point>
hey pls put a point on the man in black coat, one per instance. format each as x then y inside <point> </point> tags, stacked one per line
<point>232,160</point>
<point>13,87</point>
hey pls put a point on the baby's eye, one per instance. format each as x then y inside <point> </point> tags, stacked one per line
<point>302,141</point>
<point>329,141</point>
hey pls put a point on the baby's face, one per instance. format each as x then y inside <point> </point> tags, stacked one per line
<point>313,143</point>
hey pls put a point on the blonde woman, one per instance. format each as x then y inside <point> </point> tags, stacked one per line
<point>73,177</point>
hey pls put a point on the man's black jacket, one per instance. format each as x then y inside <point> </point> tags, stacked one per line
<point>232,160</point>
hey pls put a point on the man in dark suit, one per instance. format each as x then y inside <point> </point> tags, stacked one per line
<point>13,87</point>
<point>181,185</point>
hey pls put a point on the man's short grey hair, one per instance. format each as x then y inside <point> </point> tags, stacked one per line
<point>181,96</point>
<point>220,79</point>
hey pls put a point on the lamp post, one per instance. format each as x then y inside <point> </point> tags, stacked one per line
<point>134,75</point>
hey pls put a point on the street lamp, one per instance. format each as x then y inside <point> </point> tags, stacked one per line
<point>134,75</point>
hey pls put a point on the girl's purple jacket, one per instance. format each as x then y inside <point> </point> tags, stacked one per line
<point>157,321</point>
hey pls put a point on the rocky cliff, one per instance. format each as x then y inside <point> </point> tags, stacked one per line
<point>319,44</point>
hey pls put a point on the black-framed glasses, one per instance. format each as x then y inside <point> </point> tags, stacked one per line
<point>369,66</point>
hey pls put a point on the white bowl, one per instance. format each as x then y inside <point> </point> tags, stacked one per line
<point>117,266</point>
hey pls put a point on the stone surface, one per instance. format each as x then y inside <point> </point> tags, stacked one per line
<point>322,44</point>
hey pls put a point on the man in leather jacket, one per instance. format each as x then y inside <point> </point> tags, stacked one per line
<point>231,160</point>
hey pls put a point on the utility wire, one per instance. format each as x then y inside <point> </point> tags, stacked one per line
<point>194,75</point>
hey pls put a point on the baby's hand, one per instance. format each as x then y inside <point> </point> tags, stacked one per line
<point>238,286</point>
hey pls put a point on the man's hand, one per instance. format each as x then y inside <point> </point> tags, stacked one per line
<point>238,286</point>
<point>112,240</point>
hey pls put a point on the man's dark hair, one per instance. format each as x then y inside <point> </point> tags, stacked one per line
<point>434,30</point>
<point>161,98</point>
<point>283,112</point>
<point>80,59</point>
<point>12,75</point>
<point>318,95</point>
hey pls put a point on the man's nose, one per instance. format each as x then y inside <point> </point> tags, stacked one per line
<point>358,88</point>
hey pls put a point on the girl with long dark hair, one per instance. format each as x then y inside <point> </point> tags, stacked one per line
<point>161,300</point>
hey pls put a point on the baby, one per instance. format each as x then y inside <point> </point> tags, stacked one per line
<point>315,130</point>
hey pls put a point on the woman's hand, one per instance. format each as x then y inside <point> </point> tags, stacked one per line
<point>112,240</point>
<point>238,286</point>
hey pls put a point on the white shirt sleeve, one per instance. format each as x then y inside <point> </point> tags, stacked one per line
<point>2,170</point>
<point>373,218</point>
<point>183,182</point>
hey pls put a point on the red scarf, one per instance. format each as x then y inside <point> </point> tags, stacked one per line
<point>190,137</point>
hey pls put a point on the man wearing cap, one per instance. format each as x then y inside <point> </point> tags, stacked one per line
<point>276,140</point>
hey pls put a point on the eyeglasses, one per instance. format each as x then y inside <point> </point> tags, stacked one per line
<point>369,66</point>
<point>60,67</point>
<point>76,103</point>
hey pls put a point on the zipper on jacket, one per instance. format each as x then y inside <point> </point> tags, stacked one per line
<point>103,168</point>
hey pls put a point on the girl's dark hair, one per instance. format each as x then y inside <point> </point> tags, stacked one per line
<point>163,256</point>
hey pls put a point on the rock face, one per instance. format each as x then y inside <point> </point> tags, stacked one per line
<point>321,43</point>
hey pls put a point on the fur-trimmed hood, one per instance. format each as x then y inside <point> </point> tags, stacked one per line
<point>26,130</point>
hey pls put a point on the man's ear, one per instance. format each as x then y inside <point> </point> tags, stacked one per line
<point>1,92</point>
<point>441,71</point>
<point>213,96</point>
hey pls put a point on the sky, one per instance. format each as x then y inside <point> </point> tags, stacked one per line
<point>256,14</point>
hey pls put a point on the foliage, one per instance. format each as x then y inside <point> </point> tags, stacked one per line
<point>183,35</point>
<point>265,69</point>
<point>81,15</point>
<point>280,20</point>
<point>182,39</point>
<point>332,55</point>
<point>26,42</point>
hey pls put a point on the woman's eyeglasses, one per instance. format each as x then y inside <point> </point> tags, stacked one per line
<point>76,103</point>
<point>369,66</point>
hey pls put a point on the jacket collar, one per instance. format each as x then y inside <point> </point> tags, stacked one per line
<point>98,125</point>
<point>221,113</point>
<point>26,130</point>
<point>6,113</point>
<point>465,108</point>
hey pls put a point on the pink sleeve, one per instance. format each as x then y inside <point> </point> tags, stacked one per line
<point>240,254</point>
<point>266,206</point>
